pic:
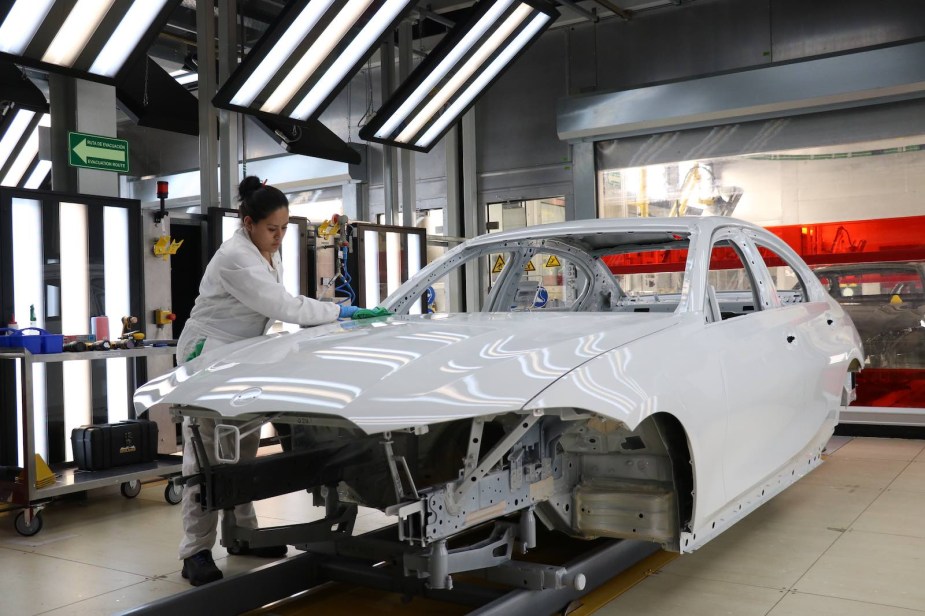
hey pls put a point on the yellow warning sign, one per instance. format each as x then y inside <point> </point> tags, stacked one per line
<point>553,261</point>
<point>499,265</point>
<point>529,267</point>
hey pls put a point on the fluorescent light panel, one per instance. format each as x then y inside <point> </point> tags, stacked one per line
<point>23,148</point>
<point>76,31</point>
<point>21,24</point>
<point>349,58</point>
<point>14,133</point>
<point>126,37</point>
<point>75,313</point>
<point>29,290</point>
<point>118,302</point>
<point>451,59</point>
<point>304,59</point>
<point>482,81</point>
<point>462,66</point>
<point>71,26</point>
<point>461,76</point>
<point>286,45</point>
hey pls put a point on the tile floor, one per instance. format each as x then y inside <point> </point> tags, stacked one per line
<point>848,540</point>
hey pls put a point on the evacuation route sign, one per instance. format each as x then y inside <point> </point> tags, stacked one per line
<point>97,152</point>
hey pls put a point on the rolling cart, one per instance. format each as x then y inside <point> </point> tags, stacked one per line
<point>22,491</point>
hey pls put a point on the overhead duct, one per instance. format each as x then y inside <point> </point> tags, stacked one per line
<point>858,79</point>
<point>152,98</point>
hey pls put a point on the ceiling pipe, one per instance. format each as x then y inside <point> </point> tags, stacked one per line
<point>616,10</point>
<point>591,15</point>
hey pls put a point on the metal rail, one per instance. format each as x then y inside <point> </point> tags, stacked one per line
<point>286,578</point>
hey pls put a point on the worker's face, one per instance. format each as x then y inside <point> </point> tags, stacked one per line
<point>268,233</point>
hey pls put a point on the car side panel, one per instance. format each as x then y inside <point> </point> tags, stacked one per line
<point>676,371</point>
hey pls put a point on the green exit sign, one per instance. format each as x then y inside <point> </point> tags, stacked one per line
<point>97,152</point>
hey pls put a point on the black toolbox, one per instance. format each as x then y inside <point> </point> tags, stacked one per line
<point>104,446</point>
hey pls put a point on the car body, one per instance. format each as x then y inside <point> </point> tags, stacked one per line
<point>886,301</point>
<point>640,378</point>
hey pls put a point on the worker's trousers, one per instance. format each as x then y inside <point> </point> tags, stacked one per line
<point>200,528</point>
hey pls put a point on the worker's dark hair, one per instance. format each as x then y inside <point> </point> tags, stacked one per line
<point>259,200</point>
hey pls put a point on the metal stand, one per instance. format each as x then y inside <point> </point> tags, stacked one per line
<point>24,492</point>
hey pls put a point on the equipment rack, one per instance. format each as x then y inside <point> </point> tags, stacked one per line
<point>23,493</point>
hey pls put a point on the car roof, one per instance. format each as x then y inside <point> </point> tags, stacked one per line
<point>637,227</point>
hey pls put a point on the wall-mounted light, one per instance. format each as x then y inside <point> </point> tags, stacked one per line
<point>20,164</point>
<point>93,39</point>
<point>446,83</point>
<point>307,55</point>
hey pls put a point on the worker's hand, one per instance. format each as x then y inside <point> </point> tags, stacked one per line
<point>347,312</point>
<point>369,313</point>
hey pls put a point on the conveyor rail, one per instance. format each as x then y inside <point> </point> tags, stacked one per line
<point>601,561</point>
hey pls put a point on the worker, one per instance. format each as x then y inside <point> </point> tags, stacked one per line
<point>241,295</point>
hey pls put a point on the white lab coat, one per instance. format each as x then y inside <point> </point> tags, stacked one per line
<point>241,296</point>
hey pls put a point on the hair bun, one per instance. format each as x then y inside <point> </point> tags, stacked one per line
<point>248,185</point>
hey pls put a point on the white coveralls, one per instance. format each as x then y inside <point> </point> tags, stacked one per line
<point>240,296</point>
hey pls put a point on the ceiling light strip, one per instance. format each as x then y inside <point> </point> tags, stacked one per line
<point>315,55</point>
<point>280,51</point>
<point>38,175</point>
<point>16,128</point>
<point>461,103</point>
<point>76,31</point>
<point>452,58</point>
<point>24,160</point>
<point>448,90</point>
<point>21,24</point>
<point>345,61</point>
<point>136,21</point>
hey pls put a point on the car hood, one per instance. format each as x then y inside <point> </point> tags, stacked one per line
<point>399,372</point>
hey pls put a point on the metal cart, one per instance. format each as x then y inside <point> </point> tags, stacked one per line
<point>23,492</point>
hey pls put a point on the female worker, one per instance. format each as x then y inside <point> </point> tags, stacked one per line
<point>241,295</point>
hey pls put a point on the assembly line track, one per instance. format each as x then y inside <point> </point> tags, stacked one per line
<point>285,578</point>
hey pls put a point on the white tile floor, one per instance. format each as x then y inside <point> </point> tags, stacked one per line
<point>848,540</point>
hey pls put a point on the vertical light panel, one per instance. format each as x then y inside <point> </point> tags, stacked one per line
<point>230,224</point>
<point>116,282</point>
<point>28,292</point>
<point>371,267</point>
<point>414,264</point>
<point>392,261</point>
<point>290,259</point>
<point>75,314</point>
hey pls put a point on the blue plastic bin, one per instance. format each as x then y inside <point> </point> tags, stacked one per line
<point>43,342</point>
<point>5,338</point>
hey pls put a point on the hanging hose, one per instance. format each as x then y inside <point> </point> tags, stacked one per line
<point>345,286</point>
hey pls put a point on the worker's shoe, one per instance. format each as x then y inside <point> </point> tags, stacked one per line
<point>200,569</point>
<point>269,551</point>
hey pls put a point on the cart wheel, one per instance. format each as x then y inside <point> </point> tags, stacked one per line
<point>27,530</point>
<point>131,489</point>
<point>173,493</point>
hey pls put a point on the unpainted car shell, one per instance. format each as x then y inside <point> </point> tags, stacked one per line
<point>757,396</point>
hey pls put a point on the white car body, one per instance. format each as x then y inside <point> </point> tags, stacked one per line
<point>668,424</point>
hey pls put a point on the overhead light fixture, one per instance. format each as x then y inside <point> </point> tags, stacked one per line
<point>93,39</point>
<point>307,55</point>
<point>184,77</point>
<point>446,83</point>
<point>20,164</point>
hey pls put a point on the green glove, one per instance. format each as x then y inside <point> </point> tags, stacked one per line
<point>369,313</point>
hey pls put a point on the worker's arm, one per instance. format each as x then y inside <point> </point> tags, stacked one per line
<point>255,288</point>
